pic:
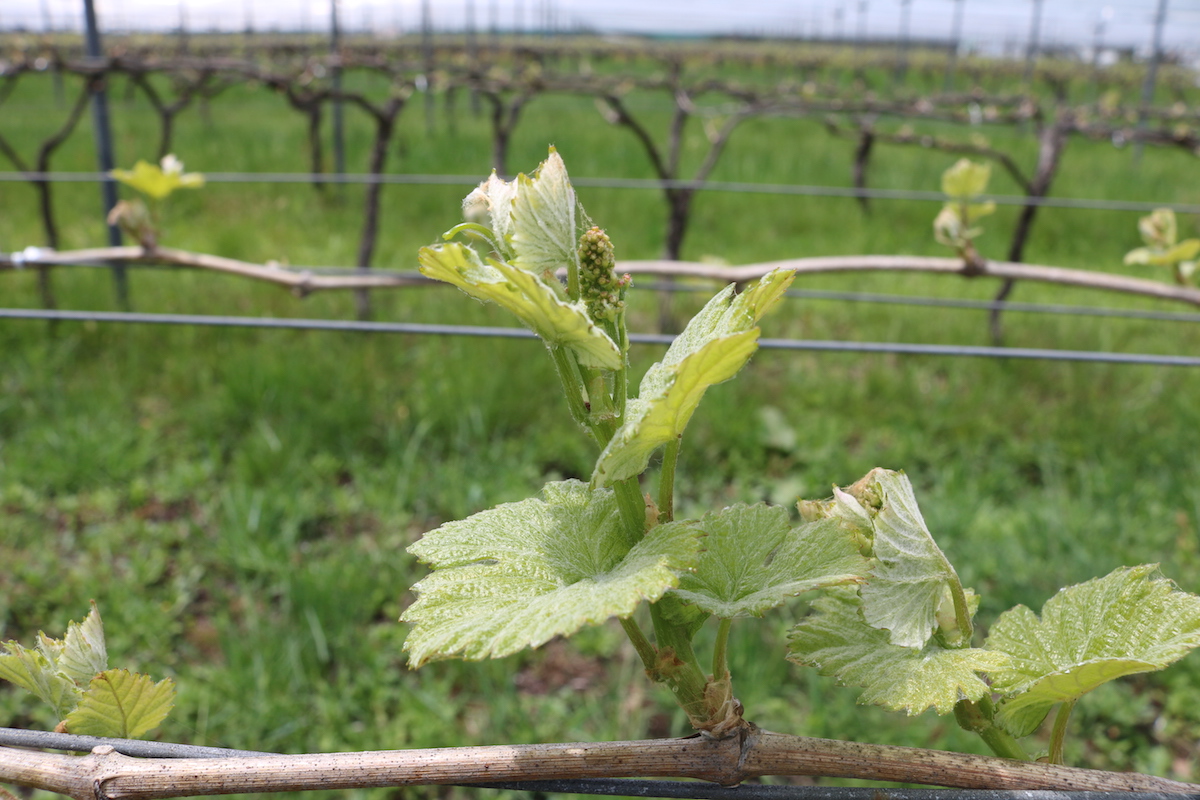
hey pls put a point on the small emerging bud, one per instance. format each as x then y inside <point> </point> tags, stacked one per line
<point>132,217</point>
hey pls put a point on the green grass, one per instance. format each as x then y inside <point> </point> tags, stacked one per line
<point>238,502</point>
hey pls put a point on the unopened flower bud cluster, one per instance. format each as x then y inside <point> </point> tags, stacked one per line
<point>598,285</point>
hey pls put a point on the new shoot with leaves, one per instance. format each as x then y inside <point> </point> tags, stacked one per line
<point>72,676</point>
<point>1162,249</point>
<point>894,619</point>
<point>157,182</point>
<point>962,183</point>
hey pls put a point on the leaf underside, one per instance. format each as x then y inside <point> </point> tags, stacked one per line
<point>838,642</point>
<point>544,212</point>
<point>517,575</point>
<point>912,572</point>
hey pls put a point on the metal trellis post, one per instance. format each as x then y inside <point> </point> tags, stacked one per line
<point>104,151</point>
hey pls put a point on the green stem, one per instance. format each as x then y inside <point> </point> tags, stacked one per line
<point>645,650</point>
<point>682,674</point>
<point>977,718</point>
<point>632,507</point>
<point>962,612</point>
<point>720,668</point>
<point>666,486</point>
<point>1058,733</point>
<point>572,383</point>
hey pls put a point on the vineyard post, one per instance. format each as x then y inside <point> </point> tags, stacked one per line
<point>104,152</point>
<point>1031,51</point>
<point>955,43</point>
<point>335,45</point>
<point>1160,17</point>
<point>902,55</point>
<point>427,56</point>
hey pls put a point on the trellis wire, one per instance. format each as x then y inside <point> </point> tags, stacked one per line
<point>426,329</point>
<point>737,187</point>
<point>624,787</point>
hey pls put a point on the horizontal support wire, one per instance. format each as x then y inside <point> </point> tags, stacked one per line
<point>622,787</point>
<point>635,183</point>
<point>425,329</point>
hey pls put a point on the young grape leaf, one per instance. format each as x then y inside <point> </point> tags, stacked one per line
<point>493,200</point>
<point>661,414</point>
<point>753,560</point>
<point>1129,621</point>
<point>714,346</point>
<point>121,704</point>
<point>159,180</point>
<point>535,303</point>
<point>1184,251</point>
<point>55,670</point>
<point>84,654</point>
<point>911,574</point>
<point>545,237</point>
<point>517,575</point>
<point>34,672</point>
<point>838,642</point>
<point>966,179</point>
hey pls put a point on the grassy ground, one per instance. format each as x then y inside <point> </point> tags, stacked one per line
<point>238,502</point>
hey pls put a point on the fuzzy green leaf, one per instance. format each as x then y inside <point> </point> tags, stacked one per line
<point>911,574</point>
<point>84,654</point>
<point>34,672</point>
<point>1184,251</point>
<point>159,180</point>
<point>544,230</point>
<point>1129,621</point>
<point>753,560</point>
<point>966,179</point>
<point>838,642</point>
<point>56,669</point>
<point>536,304</point>
<point>656,418</point>
<point>517,575</point>
<point>714,346</point>
<point>121,704</point>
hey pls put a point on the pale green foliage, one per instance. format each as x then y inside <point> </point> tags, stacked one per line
<point>714,346</point>
<point>517,575</point>
<point>535,303</point>
<point>838,642</point>
<point>1129,621</point>
<point>83,653</point>
<point>56,668</point>
<point>159,180</point>
<point>119,703</point>
<point>966,179</point>
<point>492,200</point>
<point>911,572</point>
<point>754,559</point>
<point>545,234</point>
<point>962,183</point>
<point>533,231</point>
<point>71,675</point>
<point>36,671</point>
<point>1160,233</point>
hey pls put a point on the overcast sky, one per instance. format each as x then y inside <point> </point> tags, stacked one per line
<point>992,23</point>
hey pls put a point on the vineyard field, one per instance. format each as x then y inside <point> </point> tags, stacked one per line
<point>238,502</point>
